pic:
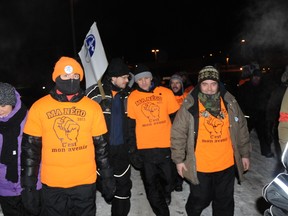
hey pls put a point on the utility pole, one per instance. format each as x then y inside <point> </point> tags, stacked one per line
<point>73,27</point>
<point>155,51</point>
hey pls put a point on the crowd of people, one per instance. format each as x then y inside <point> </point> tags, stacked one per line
<point>73,142</point>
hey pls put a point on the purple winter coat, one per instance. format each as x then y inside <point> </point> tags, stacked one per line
<point>8,188</point>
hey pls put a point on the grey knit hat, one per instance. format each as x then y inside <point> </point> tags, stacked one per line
<point>7,94</point>
<point>179,78</point>
<point>141,71</point>
<point>208,73</point>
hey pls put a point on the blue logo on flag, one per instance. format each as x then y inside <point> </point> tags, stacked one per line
<point>90,43</point>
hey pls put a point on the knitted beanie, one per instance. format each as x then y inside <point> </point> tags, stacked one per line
<point>208,73</point>
<point>7,94</point>
<point>67,65</point>
<point>141,71</point>
<point>179,78</point>
<point>117,68</point>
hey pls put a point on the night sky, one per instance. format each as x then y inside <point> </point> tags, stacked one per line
<point>35,33</point>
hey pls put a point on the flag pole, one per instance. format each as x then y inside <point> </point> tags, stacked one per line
<point>101,89</point>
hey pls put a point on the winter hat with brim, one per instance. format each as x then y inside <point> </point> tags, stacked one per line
<point>117,68</point>
<point>141,71</point>
<point>67,65</point>
<point>208,73</point>
<point>7,94</point>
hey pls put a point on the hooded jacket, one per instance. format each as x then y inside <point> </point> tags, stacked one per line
<point>94,93</point>
<point>8,188</point>
<point>185,129</point>
<point>121,148</point>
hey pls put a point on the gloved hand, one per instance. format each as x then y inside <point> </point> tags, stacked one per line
<point>136,159</point>
<point>107,184</point>
<point>105,104</point>
<point>31,199</point>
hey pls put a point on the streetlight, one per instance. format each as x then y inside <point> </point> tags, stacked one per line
<point>155,51</point>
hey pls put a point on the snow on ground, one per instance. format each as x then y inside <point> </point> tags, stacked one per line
<point>248,195</point>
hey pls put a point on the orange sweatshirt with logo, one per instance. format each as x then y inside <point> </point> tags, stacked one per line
<point>214,151</point>
<point>66,128</point>
<point>151,111</point>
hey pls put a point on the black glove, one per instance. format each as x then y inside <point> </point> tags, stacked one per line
<point>107,184</point>
<point>31,199</point>
<point>136,159</point>
<point>105,104</point>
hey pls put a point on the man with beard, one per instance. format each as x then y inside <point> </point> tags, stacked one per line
<point>210,145</point>
<point>116,91</point>
<point>176,85</point>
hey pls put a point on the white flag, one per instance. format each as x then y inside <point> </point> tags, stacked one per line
<point>93,57</point>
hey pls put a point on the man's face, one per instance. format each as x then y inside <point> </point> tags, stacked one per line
<point>209,87</point>
<point>176,85</point>
<point>120,81</point>
<point>144,83</point>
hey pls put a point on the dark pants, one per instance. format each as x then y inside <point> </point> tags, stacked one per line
<point>178,179</point>
<point>122,172</point>
<point>74,201</point>
<point>218,188</point>
<point>158,179</point>
<point>12,206</point>
<point>259,123</point>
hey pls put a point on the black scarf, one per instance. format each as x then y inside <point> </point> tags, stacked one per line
<point>63,98</point>
<point>10,131</point>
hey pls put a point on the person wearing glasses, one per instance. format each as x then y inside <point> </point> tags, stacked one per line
<point>63,135</point>
<point>116,87</point>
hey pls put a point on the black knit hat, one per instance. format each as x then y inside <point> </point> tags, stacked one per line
<point>117,68</point>
<point>208,73</point>
<point>141,71</point>
<point>7,94</point>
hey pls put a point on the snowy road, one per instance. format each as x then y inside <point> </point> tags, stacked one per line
<point>248,196</point>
